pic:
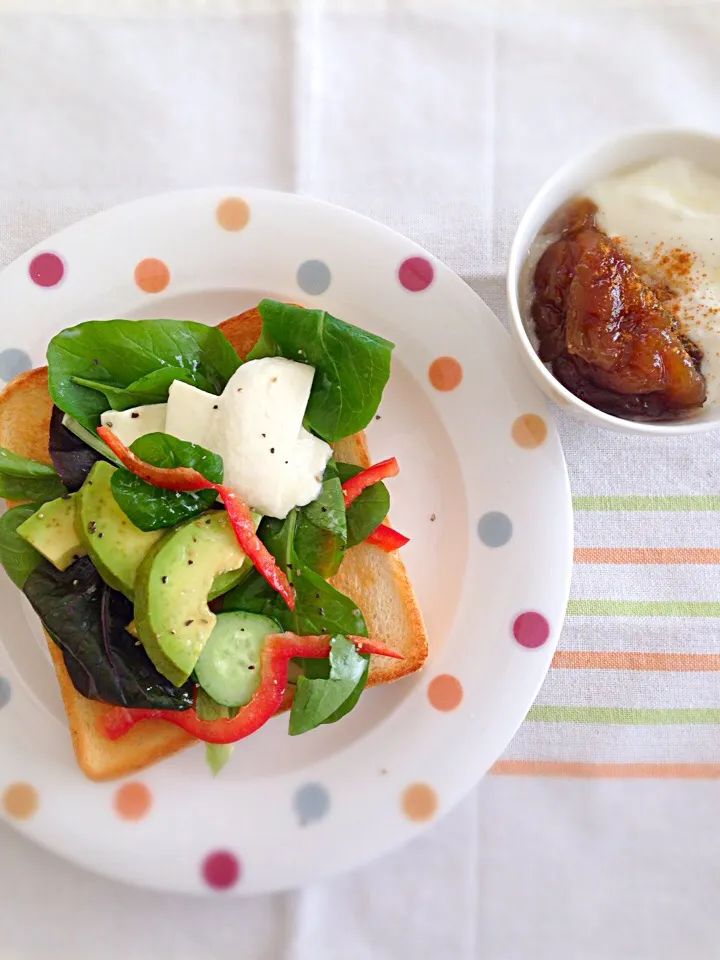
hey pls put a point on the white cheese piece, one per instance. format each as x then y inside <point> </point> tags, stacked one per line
<point>129,425</point>
<point>269,459</point>
<point>191,413</point>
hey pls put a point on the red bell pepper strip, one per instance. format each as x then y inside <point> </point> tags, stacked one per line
<point>186,479</point>
<point>277,650</point>
<point>387,538</point>
<point>354,486</point>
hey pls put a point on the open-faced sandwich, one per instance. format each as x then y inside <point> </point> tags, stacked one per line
<point>196,522</point>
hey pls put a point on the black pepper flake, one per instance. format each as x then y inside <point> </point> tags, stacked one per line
<point>164,579</point>
<point>432,518</point>
<point>100,535</point>
<point>96,362</point>
<point>190,562</point>
<point>207,522</point>
<point>272,449</point>
<point>289,566</point>
<point>321,611</point>
<point>239,389</point>
<point>188,623</point>
<point>91,527</point>
<point>317,596</point>
<point>134,415</point>
<point>377,416</point>
<point>251,666</point>
<point>264,435</point>
<point>287,461</point>
<point>324,509</point>
<point>215,406</point>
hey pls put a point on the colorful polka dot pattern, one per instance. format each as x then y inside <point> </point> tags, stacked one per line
<point>232,213</point>
<point>46,269</point>
<point>311,802</point>
<point>221,870</point>
<point>529,431</point>
<point>313,277</point>
<point>419,802</point>
<point>416,274</point>
<point>445,692</point>
<point>5,692</point>
<point>132,801</point>
<point>19,801</point>
<point>152,275</point>
<point>445,373</point>
<point>531,629</point>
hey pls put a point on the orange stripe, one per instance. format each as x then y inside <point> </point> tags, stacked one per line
<point>615,771</point>
<point>630,660</point>
<point>647,555</point>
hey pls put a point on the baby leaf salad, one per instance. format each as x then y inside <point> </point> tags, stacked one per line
<point>180,550</point>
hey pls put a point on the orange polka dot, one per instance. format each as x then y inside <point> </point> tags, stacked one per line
<point>132,801</point>
<point>445,692</point>
<point>445,373</point>
<point>232,213</point>
<point>419,802</point>
<point>529,431</point>
<point>152,275</point>
<point>20,800</point>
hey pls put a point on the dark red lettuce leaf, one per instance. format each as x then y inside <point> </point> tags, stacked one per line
<point>72,458</point>
<point>87,620</point>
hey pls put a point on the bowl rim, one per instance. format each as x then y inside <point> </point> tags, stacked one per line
<point>518,252</point>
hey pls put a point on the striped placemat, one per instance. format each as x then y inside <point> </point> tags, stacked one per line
<point>633,690</point>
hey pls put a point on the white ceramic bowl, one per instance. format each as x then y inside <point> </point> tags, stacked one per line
<point>622,152</point>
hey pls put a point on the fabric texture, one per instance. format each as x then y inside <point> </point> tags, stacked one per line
<point>596,835</point>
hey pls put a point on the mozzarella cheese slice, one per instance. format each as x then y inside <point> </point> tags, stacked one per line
<point>269,458</point>
<point>191,413</point>
<point>129,425</point>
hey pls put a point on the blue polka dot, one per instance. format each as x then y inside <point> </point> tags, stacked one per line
<point>495,529</point>
<point>311,802</point>
<point>313,276</point>
<point>4,692</point>
<point>13,362</point>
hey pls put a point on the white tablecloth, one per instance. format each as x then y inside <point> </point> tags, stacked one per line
<point>440,124</point>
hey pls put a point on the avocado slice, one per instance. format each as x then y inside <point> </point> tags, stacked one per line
<point>172,616</point>
<point>116,546</point>
<point>51,530</point>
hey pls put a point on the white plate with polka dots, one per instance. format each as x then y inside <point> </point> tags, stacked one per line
<point>482,492</point>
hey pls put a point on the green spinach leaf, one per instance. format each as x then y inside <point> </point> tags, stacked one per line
<point>321,530</point>
<point>129,353</point>
<point>322,700</point>
<point>319,607</point>
<point>88,620</point>
<point>24,479</point>
<point>352,366</point>
<point>13,465</point>
<point>152,388</point>
<point>17,556</point>
<point>151,508</point>
<point>366,511</point>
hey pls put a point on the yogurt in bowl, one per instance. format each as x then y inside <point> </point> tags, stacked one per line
<point>614,284</point>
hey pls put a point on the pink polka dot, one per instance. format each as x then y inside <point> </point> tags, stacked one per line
<point>416,274</point>
<point>531,629</point>
<point>46,269</point>
<point>221,870</point>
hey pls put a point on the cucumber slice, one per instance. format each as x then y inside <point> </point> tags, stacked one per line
<point>229,666</point>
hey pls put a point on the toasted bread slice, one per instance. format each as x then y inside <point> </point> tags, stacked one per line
<point>376,580</point>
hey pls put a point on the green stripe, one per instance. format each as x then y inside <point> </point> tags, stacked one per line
<point>627,715</point>
<point>644,608</point>
<point>634,502</point>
